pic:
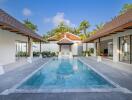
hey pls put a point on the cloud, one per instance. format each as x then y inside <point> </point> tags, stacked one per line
<point>27,12</point>
<point>57,19</point>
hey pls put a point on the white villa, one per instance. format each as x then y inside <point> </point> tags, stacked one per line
<point>14,37</point>
<point>67,44</point>
<point>114,40</point>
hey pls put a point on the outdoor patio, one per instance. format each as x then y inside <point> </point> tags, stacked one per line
<point>117,72</point>
<point>15,72</point>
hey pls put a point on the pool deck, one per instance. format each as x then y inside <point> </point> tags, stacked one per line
<point>117,72</point>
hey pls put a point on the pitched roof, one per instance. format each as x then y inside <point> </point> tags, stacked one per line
<point>119,24</point>
<point>9,23</point>
<point>65,41</point>
<point>62,35</point>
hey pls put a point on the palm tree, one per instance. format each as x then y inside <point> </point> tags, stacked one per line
<point>76,31</point>
<point>99,26</point>
<point>125,8</point>
<point>30,25</point>
<point>83,26</point>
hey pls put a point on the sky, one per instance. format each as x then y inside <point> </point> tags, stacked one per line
<point>47,14</point>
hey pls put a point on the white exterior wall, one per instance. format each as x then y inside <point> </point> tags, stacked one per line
<point>54,47</point>
<point>8,47</point>
<point>115,38</point>
<point>89,45</point>
<point>75,49</point>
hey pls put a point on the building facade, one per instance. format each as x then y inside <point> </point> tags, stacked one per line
<point>14,38</point>
<point>114,40</point>
<point>67,43</point>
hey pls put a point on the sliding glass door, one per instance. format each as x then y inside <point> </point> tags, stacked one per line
<point>125,49</point>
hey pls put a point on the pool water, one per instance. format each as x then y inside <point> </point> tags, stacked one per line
<point>65,74</point>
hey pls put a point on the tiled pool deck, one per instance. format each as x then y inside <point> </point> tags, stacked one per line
<point>117,72</point>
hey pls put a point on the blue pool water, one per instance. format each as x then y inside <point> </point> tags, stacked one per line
<point>65,74</point>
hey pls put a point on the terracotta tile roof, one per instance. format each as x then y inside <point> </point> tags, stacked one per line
<point>119,24</point>
<point>65,41</point>
<point>62,35</point>
<point>9,23</point>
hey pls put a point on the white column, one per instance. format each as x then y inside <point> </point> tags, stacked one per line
<point>40,49</point>
<point>30,50</point>
<point>86,49</point>
<point>94,46</point>
<point>115,48</point>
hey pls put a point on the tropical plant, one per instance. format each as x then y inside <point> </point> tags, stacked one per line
<point>99,26</point>
<point>125,8</point>
<point>76,31</point>
<point>83,27</point>
<point>36,54</point>
<point>30,25</point>
<point>22,54</point>
<point>48,54</point>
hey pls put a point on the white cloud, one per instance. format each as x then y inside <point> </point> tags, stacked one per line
<point>58,18</point>
<point>27,12</point>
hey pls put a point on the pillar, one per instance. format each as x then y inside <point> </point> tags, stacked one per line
<point>70,48</point>
<point>94,44</point>
<point>86,47</point>
<point>40,49</point>
<point>59,48</point>
<point>99,59</point>
<point>98,48</point>
<point>30,51</point>
<point>115,49</point>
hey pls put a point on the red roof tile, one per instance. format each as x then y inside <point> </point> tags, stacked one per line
<point>65,41</point>
<point>62,35</point>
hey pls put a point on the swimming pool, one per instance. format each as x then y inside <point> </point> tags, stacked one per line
<point>65,74</point>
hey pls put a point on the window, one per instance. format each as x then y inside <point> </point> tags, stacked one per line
<point>21,47</point>
<point>125,49</point>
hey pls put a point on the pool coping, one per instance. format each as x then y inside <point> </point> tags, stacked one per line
<point>117,88</point>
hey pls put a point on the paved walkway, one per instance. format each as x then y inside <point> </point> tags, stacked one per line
<point>117,72</point>
<point>16,74</point>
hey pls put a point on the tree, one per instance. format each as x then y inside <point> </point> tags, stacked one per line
<point>99,26</point>
<point>30,25</point>
<point>83,27</point>
<point>125,8</point>
<point>61,28</point>
<point>76,31</point>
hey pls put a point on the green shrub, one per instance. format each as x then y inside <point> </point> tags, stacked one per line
<point>48,54</point>
<point>36,54</point>
<point>91,50</point>
<point>22,54</point>
<point>84,53</point>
